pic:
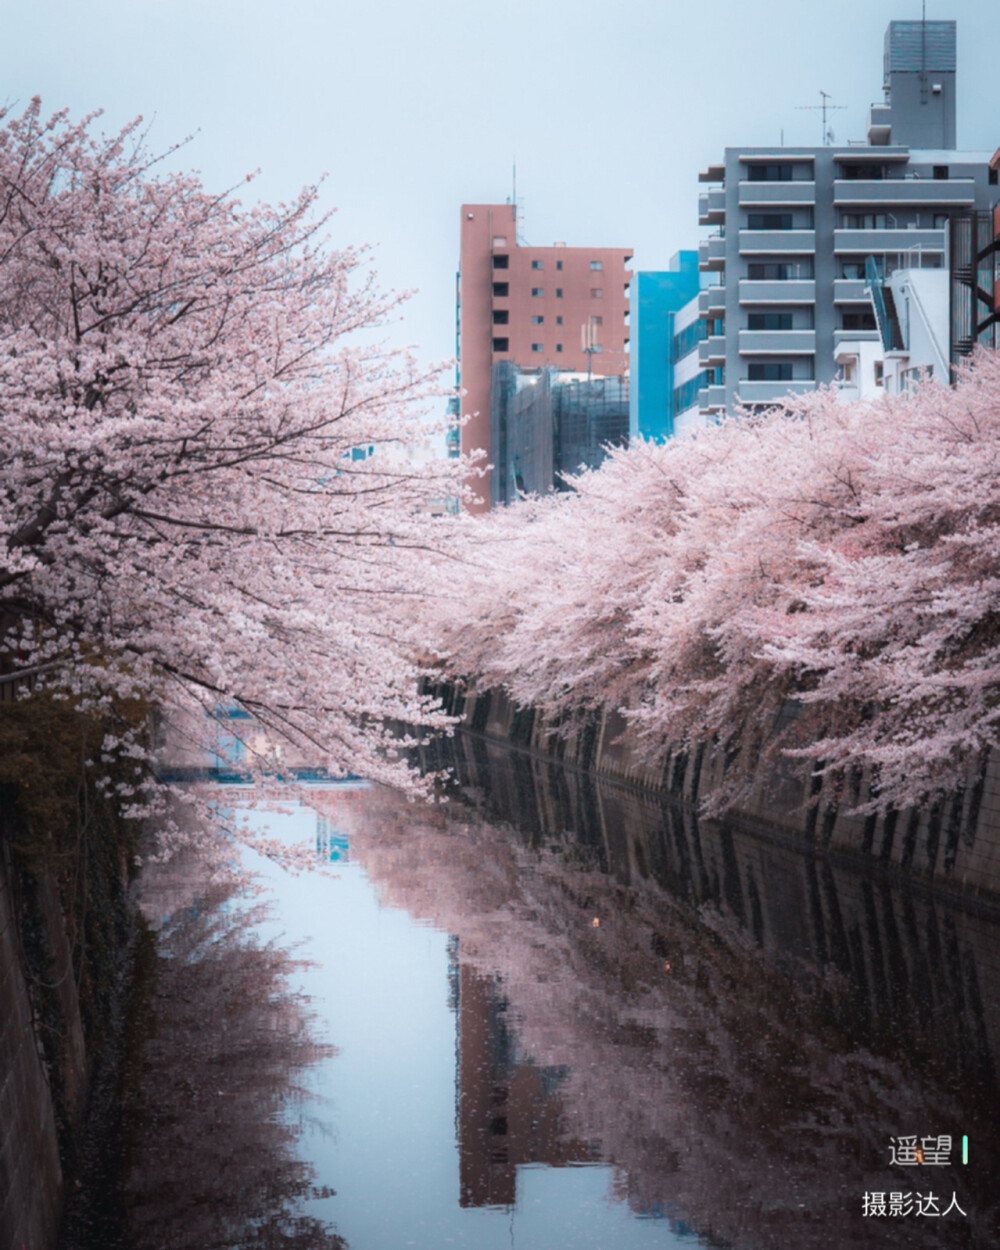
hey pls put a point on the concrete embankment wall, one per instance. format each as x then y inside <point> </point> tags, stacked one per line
<point>30,1171</point>
<point>954,843</point>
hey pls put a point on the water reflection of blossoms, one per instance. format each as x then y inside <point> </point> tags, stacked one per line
<point>224,1042</point>
<point>753,1094</point>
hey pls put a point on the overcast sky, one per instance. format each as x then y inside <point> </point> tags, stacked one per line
<point>413,106</point>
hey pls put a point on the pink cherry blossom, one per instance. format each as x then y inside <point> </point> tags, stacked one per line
<point>205,494</point>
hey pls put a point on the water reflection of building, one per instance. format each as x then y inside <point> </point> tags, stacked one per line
<point>509,1110</point>
<point>718,1059</point>
<point>331,842</point>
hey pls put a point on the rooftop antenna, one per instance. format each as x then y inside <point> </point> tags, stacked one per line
<point>518,206</point>
<point>823,108</point>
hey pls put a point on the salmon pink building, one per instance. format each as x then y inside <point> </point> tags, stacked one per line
<point>561,306</point>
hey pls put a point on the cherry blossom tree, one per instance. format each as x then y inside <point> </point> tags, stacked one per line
<point>837,562</point>
<point>204,497</point>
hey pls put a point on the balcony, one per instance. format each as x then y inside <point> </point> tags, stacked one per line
<point>916,192</point>
<point>850,291</point>
<point>777,194</point>
<point>877,242</point>
<point>841,337</point>
<point>777,242</point>
<point>712,399</point>
<point>777,343</point>
<point>712,253</point>
<point>713,173</point>
<point>712,207</point>
<point>771,392</point>
<point>712,302</point>
<point>791,291</point>
<point>712,351</point>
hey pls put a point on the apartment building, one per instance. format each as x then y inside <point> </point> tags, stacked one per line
<point>561,306</point>
<point>800,231</point>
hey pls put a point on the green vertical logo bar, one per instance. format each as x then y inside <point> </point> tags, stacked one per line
<point>965,1148</point>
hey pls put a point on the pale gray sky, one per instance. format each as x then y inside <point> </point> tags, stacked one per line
<point>414,107</point>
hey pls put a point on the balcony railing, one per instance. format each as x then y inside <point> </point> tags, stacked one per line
<point>777,242</point>
<point>948,193</point>
<point>771,392</point>
<point>712,398</point>
<point>880,242</point>
<point>712,207</point>
<point>777,342</point>
<point>712,253</point>
<point>841,336</point>
<point>712,351</point>
<point>788,193</point>
<point>850,291</point>
<point>791,291</point>
<point>712,302</point>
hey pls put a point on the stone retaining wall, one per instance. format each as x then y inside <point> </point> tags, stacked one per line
<point>954,843</point>
<point>30,1172</point>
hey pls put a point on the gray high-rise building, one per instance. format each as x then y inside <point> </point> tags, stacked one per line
<point>799,226</point>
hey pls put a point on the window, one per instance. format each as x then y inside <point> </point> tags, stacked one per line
<point>538,264</point>
<point>499,240</point>
<point>769,221</point>
<point>864,221</point>
<point>879,373</point>
<point>596,321</point>
<point>994,177</point>
<point>559,347</point>
<point>941,173</point>
<point>781,372</point>
<point>538,290</point>
<point>596,292</point>
<point>596,264</point>
<point>559,264</point>
<point>501,288</point>
<point>537,347</point>
<point>558,321</point>
<point>940,221</point>
<point>778,271</point>
<point>853,269</point>
<point>859,321</point>
<point>853,173</point>
<point>537,321</point>
<point>686,395</point>
<point>559,290</point>
<point>784,172</point>
<point>770,321</point>
<point>687,339</point>
<point>501,345</point>
<point>501,262</point>
<point>501,316</point>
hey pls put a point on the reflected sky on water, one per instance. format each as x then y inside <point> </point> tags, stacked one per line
<point>385,1128</point>
<point>567,1014</point>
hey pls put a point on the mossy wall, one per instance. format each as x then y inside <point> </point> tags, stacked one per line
<point>66,926</point>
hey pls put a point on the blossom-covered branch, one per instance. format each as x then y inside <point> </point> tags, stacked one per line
<point>203,488</point>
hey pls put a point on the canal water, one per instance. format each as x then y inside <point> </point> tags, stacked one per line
<point>558,1013</point>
